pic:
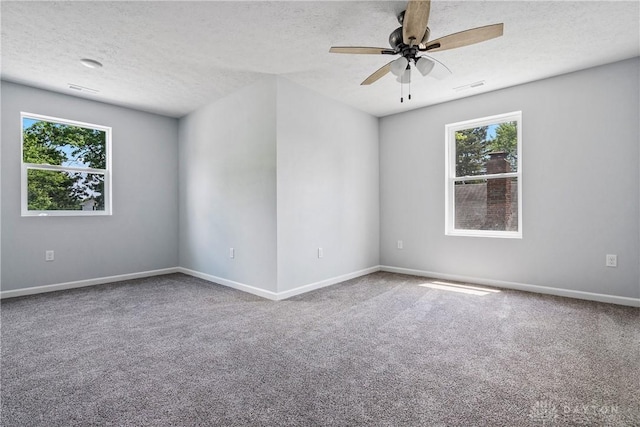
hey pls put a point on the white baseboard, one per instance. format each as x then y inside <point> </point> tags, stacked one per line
<point>230,283</point>
<point>82,283</point>
<point>278,296</point>
<point>633,302</point>
<point>328,282</point>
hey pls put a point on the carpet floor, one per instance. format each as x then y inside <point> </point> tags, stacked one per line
<point>380,350</point>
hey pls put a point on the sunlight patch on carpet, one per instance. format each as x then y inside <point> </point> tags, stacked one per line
<point>455,287</point>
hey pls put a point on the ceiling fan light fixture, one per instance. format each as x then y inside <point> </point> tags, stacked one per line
<point>425,65</point>
<point>399,66</point>
<point>405,77</point>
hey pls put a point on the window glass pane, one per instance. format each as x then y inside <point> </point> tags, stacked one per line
<point>62,190</point>
<point>487,149</point>
<point>486,204</point>
<point>63,145</point>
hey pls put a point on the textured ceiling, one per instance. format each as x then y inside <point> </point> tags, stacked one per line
<point>171,57</point>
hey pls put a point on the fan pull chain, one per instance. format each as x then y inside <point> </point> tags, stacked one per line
<point>402,88</point>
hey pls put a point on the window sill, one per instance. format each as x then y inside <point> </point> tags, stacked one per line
<point>64,213</point>
<point>485,233</point>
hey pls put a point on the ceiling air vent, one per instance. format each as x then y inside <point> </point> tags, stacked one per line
<point>469,86</point>
<point>79,88</point>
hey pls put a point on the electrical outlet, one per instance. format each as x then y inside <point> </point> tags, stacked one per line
<point>400,244</point>
<point>611,260</point>
<point>320,253</point>
<point>48,255</point>
<point>232,253</point>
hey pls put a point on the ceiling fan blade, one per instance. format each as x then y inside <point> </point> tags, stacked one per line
<point>416,18</point>
<point>465,38</point>
<point>382,71</point>
<point>362,50</point>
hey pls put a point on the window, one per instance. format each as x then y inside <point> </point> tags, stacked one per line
<point>65,167</point>
<point>483,184</point>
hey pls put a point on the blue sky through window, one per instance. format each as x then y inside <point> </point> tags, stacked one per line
<point>491,132</point>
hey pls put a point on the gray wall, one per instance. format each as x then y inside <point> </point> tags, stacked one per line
<point>228,187</point>
<point>276,171</point>
<point>142,233</point>
<point>328,188</point>
<point>580,185</point>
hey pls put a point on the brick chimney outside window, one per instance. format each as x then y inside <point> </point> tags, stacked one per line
<point>498,193</point>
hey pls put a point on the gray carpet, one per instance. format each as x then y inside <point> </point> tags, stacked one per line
<point>379,350</point>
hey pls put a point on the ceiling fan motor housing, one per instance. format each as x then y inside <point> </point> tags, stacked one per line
<point>395,38</point>
<point>397,43</point>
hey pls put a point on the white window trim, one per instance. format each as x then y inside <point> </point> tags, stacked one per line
<point>24,207</point>
<point>450,172</point>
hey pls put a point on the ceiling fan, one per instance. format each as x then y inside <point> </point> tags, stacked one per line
<point>412,38</point>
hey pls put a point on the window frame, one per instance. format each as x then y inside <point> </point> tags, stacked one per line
<point>25,167</point>
<point>450,174</point>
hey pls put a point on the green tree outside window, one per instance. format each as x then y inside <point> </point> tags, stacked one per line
<point>73,149</point>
